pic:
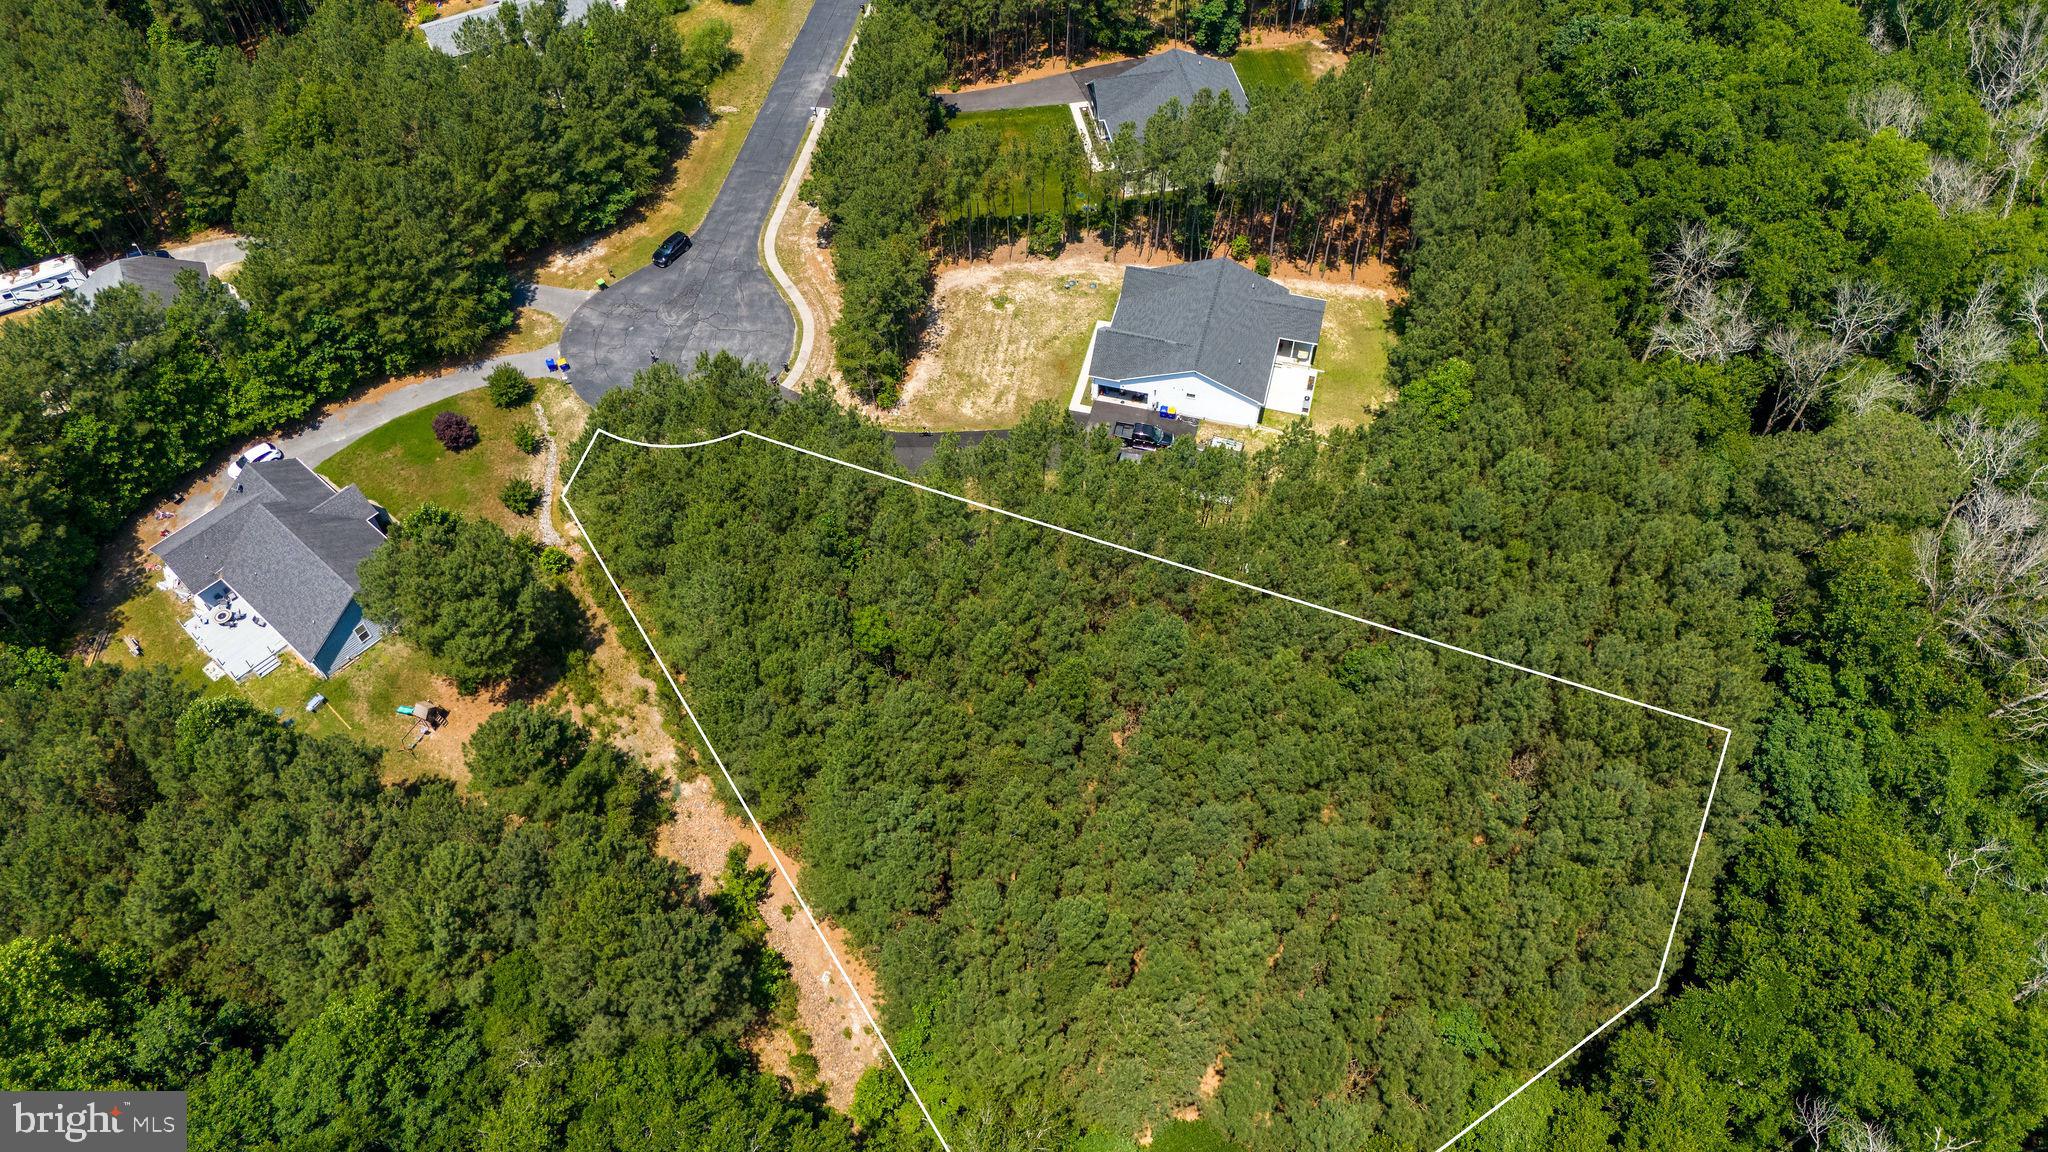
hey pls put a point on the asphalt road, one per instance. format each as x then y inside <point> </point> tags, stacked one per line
<point>717,297</point>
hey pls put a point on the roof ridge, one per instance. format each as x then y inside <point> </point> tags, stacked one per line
<point>1215,294</point>
<point>300,541</point>
<point>320,506</point>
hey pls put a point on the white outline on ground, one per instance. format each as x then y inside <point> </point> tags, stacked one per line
<point>1684,888</point>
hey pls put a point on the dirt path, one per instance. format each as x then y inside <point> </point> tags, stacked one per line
<point>844,1046</point>
<point>628,712</point>
<point>810,268</point>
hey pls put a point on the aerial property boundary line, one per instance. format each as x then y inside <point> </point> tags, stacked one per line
<point>1685,886</point>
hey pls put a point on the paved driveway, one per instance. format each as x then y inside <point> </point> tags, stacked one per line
<point>215,254</point>
<point>330,432</point>
<point>717,297</point>
<point>1066,88</point>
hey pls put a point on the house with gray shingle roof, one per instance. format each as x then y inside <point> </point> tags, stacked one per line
<point>272,567</point>
<point>440,33</point>
<point>1133,95</point>
<point>1212,340</point>
<point>155,275</point>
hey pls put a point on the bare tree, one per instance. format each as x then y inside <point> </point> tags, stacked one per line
<point>2007,56</point>
<point>1943,1142</point>
<point>1956,347</point>
<point>1879,36</point>
<point>1955,185</point>
<point>1889,105</point>
<point>1697,259</point>
<point>1708,324</point>
<point>2033,984</point>
<point>1985,567</point>
<point>1704,320</point>
<point>1806,363</point>
<point>1864,1136</point>
<point>1869,386</point>
<point>2018,134</point>
<point>1862,313</point>
<point>2036,773</point>
<point>1816,1114</point>
<point>2024,703</point>
<point>2033,296</point>
<point>1989,453</point>
<point>1986,575</point>
<point>1986,859</point>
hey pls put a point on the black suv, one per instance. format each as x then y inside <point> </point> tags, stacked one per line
<point>677,244</point>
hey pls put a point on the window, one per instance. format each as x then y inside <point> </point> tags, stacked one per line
<point>363,633</point>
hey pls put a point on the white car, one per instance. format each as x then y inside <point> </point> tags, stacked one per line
<point>256,455</point>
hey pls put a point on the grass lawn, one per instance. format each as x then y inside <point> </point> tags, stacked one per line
<point>401,466</point>
<point>532,330</point>
<point>1353,359</point>
<point>762,31</point>
<point>1020,195</point>
<point>362,697</point>
<point>1013,336</point>
<point>1273,67</point>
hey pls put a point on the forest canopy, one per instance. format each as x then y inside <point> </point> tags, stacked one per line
<point>1721,370</point>
<point>194,896</point>
<point>1140,824</point>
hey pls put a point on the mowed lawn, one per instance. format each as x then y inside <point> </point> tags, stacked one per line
<point>362,698</point>
<point>762,31</point>
<point>401,466</point>
<point>1019,193</point>
<point>1353,360</point>
<point>1273,67</point>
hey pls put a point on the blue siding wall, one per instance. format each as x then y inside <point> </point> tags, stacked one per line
<point>343,644</point>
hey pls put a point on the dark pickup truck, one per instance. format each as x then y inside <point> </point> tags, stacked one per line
<point>1144,437</point>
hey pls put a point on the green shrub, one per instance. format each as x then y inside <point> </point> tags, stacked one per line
<point>526,438</point>
<point>1263,265</point>
<point>553,561</point>
<point>508,386</point>
<point>1190,1136</point>
<point>1048,236</point>
<point>520,495</point>
<point>1240,247</point>
<point>804,1067</point>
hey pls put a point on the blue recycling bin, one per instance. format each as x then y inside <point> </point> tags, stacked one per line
<point>551,364</point>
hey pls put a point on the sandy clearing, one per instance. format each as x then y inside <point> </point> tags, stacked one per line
<point>698,837</point>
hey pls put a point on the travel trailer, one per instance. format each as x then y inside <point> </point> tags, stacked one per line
<point>48,280</point>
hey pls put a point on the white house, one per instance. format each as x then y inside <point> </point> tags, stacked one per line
<point>272,568</point>
<point>441,34</point>
<point>1212,340</point>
